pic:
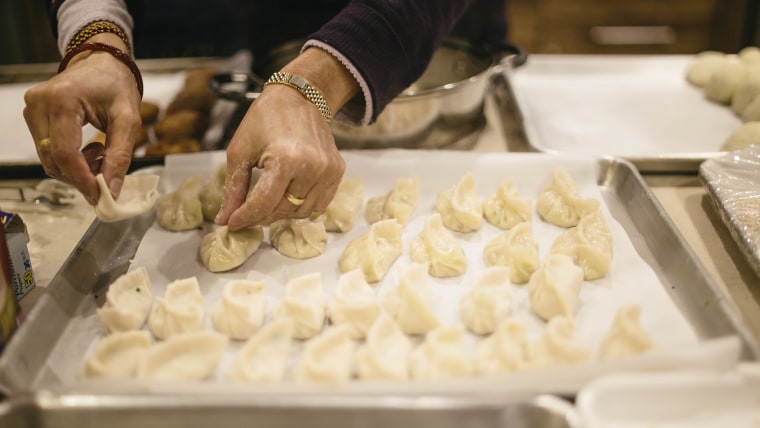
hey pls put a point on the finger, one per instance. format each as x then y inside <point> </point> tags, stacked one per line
<point>66,137</point>
<point>121,131</point>
<point>93,154</point>
<point>37,121</point>
<point>263,199</point>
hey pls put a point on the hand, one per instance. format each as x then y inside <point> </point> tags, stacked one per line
<point>95,88</point>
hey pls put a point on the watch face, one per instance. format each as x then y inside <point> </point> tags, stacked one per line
<point>298,81</point>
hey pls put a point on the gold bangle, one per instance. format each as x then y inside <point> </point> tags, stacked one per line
<point>304,87</point>
<point>95,28</point>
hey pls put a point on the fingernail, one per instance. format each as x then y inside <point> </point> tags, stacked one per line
<point>115,187</point>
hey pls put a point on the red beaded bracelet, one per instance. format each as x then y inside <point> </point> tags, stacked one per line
<point>117,53</point>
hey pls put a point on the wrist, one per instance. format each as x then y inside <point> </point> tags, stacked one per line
<point>325,73</point>
<point>105,38</point>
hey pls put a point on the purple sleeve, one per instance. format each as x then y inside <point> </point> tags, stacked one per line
<point>390,42</point>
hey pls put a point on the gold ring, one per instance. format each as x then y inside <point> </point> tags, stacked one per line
<point>293,199</point>
<point>44,144</point>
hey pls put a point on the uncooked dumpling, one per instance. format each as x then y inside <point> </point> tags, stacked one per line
<point>506,208</point>
<point>440,356</point>
<point>397,204</point>
<point>355,305</point>
<point>504,351</point>
<point>385,353</point>
<point>212,193</point>
<point>703,67</point>
<point>222,249</point>
<point>625,336</point>
<point>439,248</point>
<point>326,358</point>
<point>188,356</point>
<point>305,304</point>
<point>240,311</point>
<point>128,302</point>
<point>181,209</point>
<point>138,194</point>
<point>460,206</point>
<point>181,310</point>
<point>589,245</point>
<point>375,251</point>
<point>752,111</point>
<point>749,55</point>
<point>342,212</point>
<point>748,134</point>
<point>725,80</point>
<point>298,238</point>
<point>561,204</point>
<point>117,355</point>
<point>410,303</point>
<point>516,249</point>
<point>747,91</point>
<point>554,288</point>
<point>264,357</point>
<point>488,302</point>
<point>556,347</point>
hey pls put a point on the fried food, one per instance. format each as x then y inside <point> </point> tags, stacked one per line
<point>163,147</point>
<point>148,112</point>
<point>185,124</point>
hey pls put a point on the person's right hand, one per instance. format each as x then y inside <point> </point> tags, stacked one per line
<point>95,88</point>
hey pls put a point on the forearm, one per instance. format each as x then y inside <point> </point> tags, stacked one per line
<point>73,15</point>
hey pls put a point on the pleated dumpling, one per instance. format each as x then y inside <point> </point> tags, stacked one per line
<point>460,206</point>
<point>326,358</point>
<point>181,310</point>
<point>555,347</point>
<point>589,245</point>
<point>264,357</point>
<point>626,336</point>
<point>222,249</point>
<point>554,288</point>
<point>399,203</point>
<point>488,302</point>
<point>298,238</point>
<point>506,207</point>
<point>212,193</point>
<point>355,305</point>
<point>439,248</point>
<point>342,212</point>
<point>240,311</point>
<point>516,249</point>
<point>561,204</point>
<point>181,209</point>
<point>128,302</point>
<point>440,356</point>
<point>410,303</point>
<point>138,194</point>
<point>188,356</point>
<point>385,353</point>
<point>504,351</point>
<point>375,251</point>
<point>304,304</point>
<point>117,354</point>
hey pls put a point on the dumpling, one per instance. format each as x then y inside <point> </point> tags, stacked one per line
<point>342,211</point>
<point>298,238</point>
<point>397,204</point>
<point>188,356</point>
<point>375,251</point>
<point>181,209</point>
<point>560,204</point>
<point>385,353</point>
<point>304,303</point>
<point>128,302</point>
<point>212,193</point>
<point>181,310</point>
<point>488,302</point>
<point>504,351</point>
<point>356,304</point>
<point>506,208</point>
<point>264,357</point>
<point>240,311</point>
<point>222,249</point>
<point>138,194</point>
<point>516,249</point>
<point>747,91</point>
<point>749,55</point>
<point>725,80</point>
<point>589,245</point>
<point>554,288</point>
<point>555,347</point>
<point>460,206</point>
<point>746,135</point>
<point>440,356</point>
<point>438,247</point>
<point>326,358</point>
<point>703,66</point>
<point>410,302</point>
<point>117,355</point>
<point>625,336</point>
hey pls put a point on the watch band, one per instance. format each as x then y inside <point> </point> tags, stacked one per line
<point>305,88</point>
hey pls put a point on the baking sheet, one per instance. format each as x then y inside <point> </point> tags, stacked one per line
<point>637,107</point>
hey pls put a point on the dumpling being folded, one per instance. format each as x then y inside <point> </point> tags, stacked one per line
<point>137,195</point>
<point>264,357</point>
<point>438,247</point>
<point>440,356</point>
<point>516,249</point>
<point>555,347</point>
<point>504,351</point>
<point>355,305</point>
<point>181,310</point>
<point>222,249</point>
<point>589,245</point>
<point>188,356</point>
<point>342,211</point>
<point>506,208</point>
<point>326,358</point>
<point>488,302</point>
<point>560,202</point>
<point>304,303</point>
<point>128,302</point>
<point>212,193</point>
<point>625,336</point>
<point>181,209</point>
<point>554,288</point>
<point>460,206</point>
<point>397,204</point>
<point>298,238</point>
<point>410,303</point>
<point>241,310</point>
<point>117,355</point>
<point>385,353</point>
<point>375,251</point>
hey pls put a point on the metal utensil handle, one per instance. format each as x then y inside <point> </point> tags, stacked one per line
<point>224,86</point>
